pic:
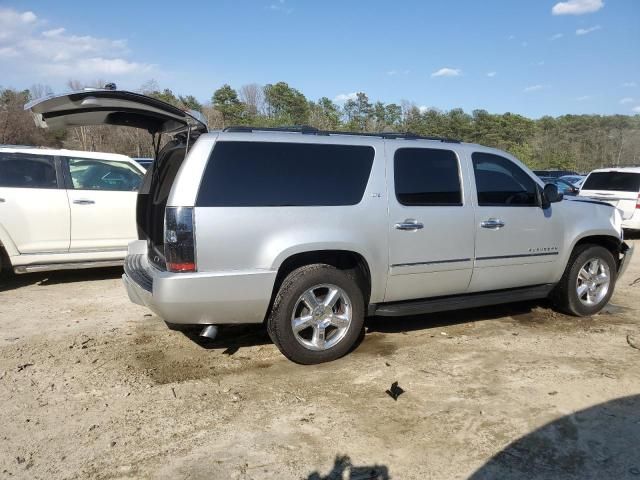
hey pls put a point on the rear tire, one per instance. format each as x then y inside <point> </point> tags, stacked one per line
<point>317,314</point>
<point>588,281</point>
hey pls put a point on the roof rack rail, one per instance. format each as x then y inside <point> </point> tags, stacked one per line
<point>306,129</point>
<point>293,129</point>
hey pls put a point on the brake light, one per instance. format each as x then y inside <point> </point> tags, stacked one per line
<point>638,201</point>
<point>179,241</point>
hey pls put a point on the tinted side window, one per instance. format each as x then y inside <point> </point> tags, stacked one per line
<point>425,176</point>
<point>267,174</point>
<point>500,182</point>
<point>23,170</point>
<point>93,174</point>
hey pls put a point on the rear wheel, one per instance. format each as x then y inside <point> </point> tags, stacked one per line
<point>588,281</point>
<point>317,314</point>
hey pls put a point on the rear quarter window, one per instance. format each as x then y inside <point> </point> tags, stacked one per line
<point>271,174</point>
<point>614,181</point>
<point>23,170</point>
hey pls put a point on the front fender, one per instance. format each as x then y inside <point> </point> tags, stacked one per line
<point>602,222</point>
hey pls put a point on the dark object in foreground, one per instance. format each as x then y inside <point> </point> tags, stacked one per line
<point>395,391</point>
<point>344,469</point>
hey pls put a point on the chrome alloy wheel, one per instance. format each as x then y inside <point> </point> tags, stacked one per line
<point>592,284</point>
<point>321,317</point>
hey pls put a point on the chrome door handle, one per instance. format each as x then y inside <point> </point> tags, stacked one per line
<point>83,201</point>
<point>492,223</point>
<point>409,225</point>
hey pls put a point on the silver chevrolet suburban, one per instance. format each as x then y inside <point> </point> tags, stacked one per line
<point>311,231</point>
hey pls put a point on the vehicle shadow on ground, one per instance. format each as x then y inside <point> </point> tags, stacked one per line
<point>231,338</point>
<point>602,441</point>
<point>342,466</point>
<point>10,281</point>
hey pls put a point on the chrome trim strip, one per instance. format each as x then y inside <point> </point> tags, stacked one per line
<point>436,262</point>
<point>85,250</point>
<point>518,256</point>
<point>66,266</point>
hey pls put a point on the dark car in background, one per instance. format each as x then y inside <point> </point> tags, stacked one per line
<point>144,162</point>
<point>564,186</point>
<point>554,173</point>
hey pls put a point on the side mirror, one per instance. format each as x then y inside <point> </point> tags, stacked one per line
<point>550,195</point>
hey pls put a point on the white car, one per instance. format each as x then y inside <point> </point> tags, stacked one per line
<point>63,209</point>
<point>618,186</point>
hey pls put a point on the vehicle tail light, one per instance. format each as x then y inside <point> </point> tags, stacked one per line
<point>638,201</point>
<point>179,240</point>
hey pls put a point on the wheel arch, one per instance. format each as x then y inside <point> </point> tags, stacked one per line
<point>6,243</point>
<point>612,243</point>
<point>339,258</point>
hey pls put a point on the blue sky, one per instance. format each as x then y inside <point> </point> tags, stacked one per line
<point>534,57</point>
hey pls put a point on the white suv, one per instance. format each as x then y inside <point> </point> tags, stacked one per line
<point>619,187</point>
<point>65,209</point>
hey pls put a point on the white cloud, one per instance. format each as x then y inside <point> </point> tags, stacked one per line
<point>447,72</point>
<point>626,100</point>
<point>8,52</point>
<point>630,84</point>
<point>491,74</point>
<point>343,97</point>
<point>557,36</point>
<point>54,32</point>
<point>41,53</point>
<point>577,7</point>
<point>584,98</point>
<point>280,6</point>
<point>636,109</point>
<point>424,108</point>
<point>585,31</point>
<point>392,72</point>
<point>535,88</point>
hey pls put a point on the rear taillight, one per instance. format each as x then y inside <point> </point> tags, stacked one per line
<point>179,241</point>
<point>638,201</point>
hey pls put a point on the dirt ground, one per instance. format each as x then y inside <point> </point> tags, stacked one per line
<point>92,386</point>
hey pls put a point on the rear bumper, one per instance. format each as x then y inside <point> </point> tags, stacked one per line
<point>632,223</point>
<point>199,298</point>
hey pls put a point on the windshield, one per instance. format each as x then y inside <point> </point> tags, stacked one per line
<point>615,181</point>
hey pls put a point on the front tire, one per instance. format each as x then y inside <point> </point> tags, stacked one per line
<point>588,281</point>
<point>5,264</point>
<point>317,314</point>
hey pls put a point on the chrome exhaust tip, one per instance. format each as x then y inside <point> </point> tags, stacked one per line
<point>210,332</point>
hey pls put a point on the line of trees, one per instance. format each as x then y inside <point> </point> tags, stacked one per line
<point>577,142</point>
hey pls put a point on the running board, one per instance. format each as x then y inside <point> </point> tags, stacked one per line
<point>459,302</point>
<point>67,266</point>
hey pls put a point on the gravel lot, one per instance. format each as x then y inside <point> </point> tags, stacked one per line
<point>92,386</point>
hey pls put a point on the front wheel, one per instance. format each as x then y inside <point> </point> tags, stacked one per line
<point>588,281</point>
<point>317,314</point>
